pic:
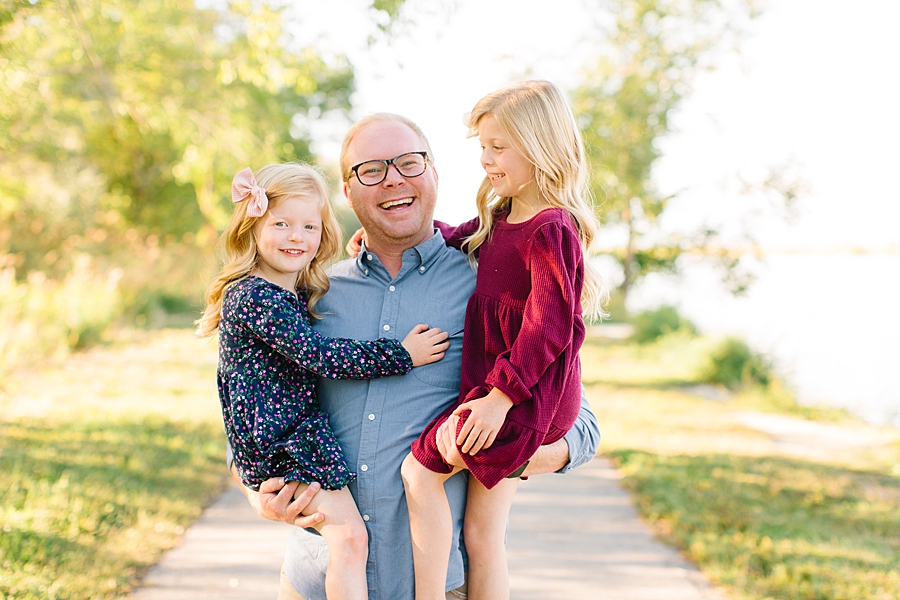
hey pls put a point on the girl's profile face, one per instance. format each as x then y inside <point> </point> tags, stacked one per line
<point>287,239</point>
<point>512,176</point>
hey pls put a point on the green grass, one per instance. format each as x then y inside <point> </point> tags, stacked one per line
<point>105,459</point>
<point>759,521</point>
<point>108,455</point>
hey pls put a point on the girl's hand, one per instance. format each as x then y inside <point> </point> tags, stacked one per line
<point>484,422</point>
<point>354,246</point>
<point>426,344</point>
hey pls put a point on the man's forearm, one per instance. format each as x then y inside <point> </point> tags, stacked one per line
<point>576,448</point>
<point>548,459</point>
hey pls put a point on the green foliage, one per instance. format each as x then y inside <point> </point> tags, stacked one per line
<point>120,114</point>
<point>650,57</point>
<point>121,125</point>
<point>41,317</point>
<point>126,280</point>
<point>650,325</point>
<point>735,365</point>
<point>774,527</point>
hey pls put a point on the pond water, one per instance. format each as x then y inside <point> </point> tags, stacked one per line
<point>829,321</point>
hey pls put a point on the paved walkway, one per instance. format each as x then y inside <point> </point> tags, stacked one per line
<point>572,537</point>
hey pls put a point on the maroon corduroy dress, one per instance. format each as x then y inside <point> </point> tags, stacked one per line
<point>524,329</point>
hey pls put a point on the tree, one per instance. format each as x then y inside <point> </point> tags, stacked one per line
<point>120,114</point>
<point>650,57</point>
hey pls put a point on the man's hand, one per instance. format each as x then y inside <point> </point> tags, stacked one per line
<point>484,422</point>
<point>446,443</point>
<point>273,501</point>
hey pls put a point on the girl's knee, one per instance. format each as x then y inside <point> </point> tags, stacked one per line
<point>411,471</point>
<point>483,536</point>
<point>358,539</point>
<point>352,544</point>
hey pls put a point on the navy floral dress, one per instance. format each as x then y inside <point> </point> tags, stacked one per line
<point>269,358</point>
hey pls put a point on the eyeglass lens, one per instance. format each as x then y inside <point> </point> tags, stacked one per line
<point>375,171</point>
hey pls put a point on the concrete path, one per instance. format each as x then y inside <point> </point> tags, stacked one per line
<point>578,537</point>
<point>229,554</point>
<point>572,537</point>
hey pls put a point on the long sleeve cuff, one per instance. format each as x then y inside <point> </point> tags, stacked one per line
<point>505,378</point>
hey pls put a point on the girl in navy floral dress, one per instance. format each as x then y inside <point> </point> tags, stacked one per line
<point>282,235</point>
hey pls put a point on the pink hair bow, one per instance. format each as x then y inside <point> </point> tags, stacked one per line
<point>243,187</point>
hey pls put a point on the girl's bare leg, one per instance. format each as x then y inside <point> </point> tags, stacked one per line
<point>348,543</point>
<point>484,529</point>
<point>430,525</point>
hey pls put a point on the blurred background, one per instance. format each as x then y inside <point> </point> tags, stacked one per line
<point>741,154</point>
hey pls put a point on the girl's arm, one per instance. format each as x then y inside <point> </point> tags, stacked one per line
<point>556,266</point>
<point>455,236</point>
<point>557,270</point>
<point>279,323</point>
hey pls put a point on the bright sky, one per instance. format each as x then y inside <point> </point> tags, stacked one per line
<point>816,87</point>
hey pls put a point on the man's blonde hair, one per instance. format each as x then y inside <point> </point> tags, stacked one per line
<point>381,117</point>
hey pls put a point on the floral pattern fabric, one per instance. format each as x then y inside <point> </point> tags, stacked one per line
<point>269,359</point>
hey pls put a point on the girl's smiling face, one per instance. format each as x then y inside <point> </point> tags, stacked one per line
<point>287,239</point>
<point>511,175</point>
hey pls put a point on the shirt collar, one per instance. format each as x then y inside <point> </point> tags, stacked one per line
<point>419,258</point>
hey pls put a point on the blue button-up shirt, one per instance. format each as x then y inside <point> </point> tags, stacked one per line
<point>376,421</point>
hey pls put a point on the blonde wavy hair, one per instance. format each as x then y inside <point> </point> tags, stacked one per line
<point>237,246</point>
<point>539,123</point>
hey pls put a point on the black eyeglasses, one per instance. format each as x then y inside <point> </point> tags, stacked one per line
<point>373,172</point>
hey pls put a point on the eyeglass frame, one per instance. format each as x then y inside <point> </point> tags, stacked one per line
<point>387,165</point>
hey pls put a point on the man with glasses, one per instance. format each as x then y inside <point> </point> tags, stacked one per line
<point>404,275</point>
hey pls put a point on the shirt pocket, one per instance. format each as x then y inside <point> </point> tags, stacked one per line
<point>444,373</point>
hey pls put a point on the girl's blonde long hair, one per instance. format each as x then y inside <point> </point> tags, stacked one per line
<point>237,245</point>
<point>539,122</point>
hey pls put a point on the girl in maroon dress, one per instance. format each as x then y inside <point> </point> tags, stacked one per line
<point>282,235</point>
<point>521,376</point>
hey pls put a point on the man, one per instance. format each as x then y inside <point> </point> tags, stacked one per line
<point>404,275</point>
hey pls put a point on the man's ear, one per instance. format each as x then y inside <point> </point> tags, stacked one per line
<point>345,188</point>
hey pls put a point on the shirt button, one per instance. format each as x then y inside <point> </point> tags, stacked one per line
<point>366,271</point>
<point>369,256</point>
<point>387,327</point>
<point>371,417</point>
<point>392,288</point>
<point>365,517</point>
<point>421,269</point>
<point>364,468</point>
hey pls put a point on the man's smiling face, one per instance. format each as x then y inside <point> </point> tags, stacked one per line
<point>397,212</point>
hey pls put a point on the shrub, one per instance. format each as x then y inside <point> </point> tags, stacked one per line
<point>734,364</point>
<point>41,317</point>
<point>650,325</point>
